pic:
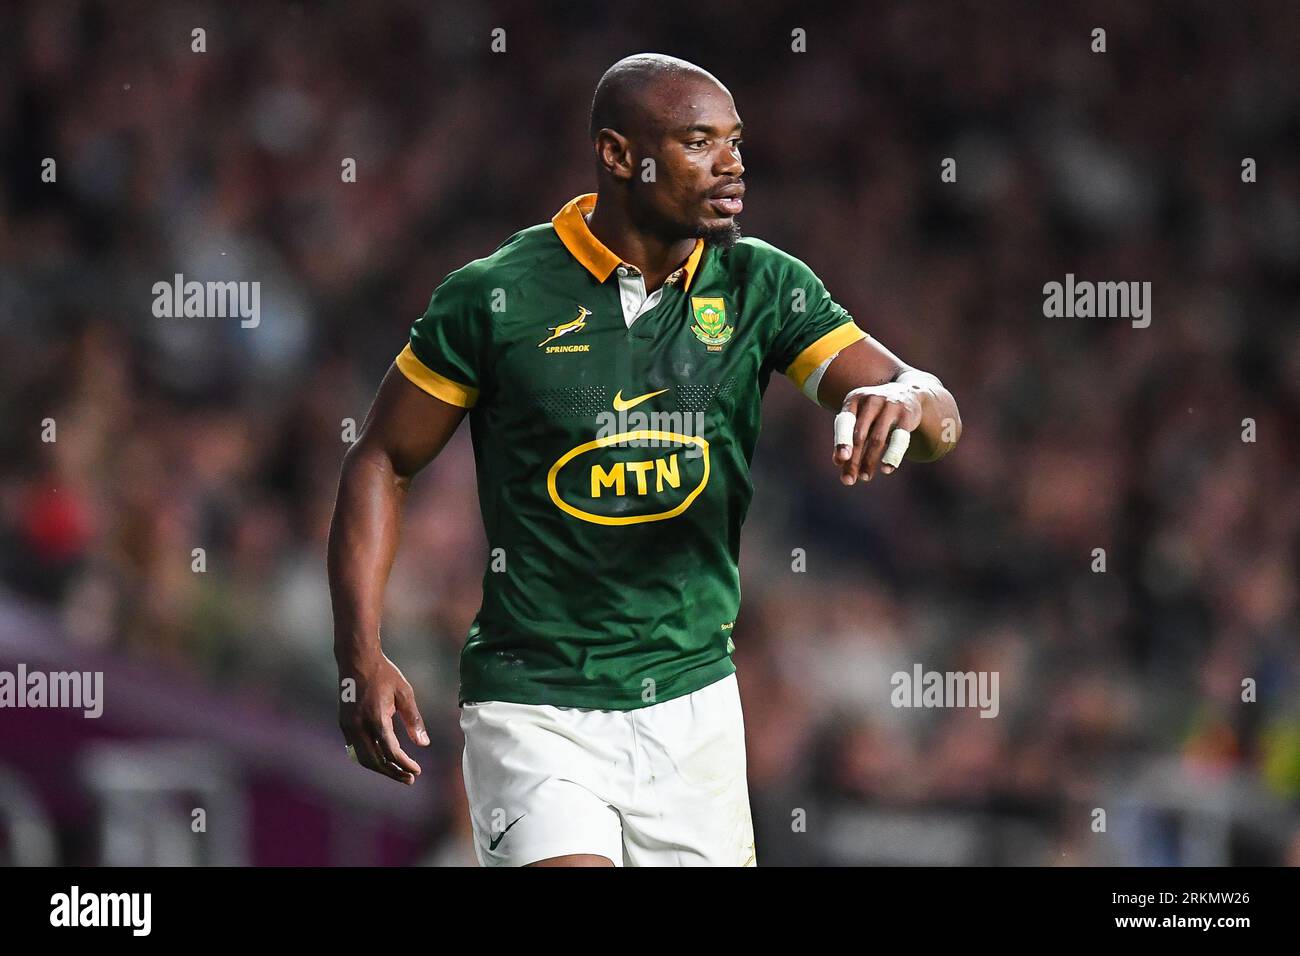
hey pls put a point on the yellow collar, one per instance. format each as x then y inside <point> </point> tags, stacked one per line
<point>599,260</point>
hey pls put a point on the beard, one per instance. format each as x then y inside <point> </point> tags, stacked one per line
<point>722,237</point>
<point>649,218</point>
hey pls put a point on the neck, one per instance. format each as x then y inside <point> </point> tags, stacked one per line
<point>656,257</point>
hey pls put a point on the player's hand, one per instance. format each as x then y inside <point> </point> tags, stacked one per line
<point>367,724</point>
<point>874,420</point>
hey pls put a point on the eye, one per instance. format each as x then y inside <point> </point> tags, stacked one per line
<point>735,143</point>
<point>697,143</point>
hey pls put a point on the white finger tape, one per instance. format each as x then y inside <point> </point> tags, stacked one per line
<point>844,424</point>
<point>896,447</point>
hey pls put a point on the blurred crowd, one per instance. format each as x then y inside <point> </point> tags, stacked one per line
<point>1080,434</point>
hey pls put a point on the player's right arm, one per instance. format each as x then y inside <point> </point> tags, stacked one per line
<point>404,430</point>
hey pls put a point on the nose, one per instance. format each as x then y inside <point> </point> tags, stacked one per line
<point>729,163</point>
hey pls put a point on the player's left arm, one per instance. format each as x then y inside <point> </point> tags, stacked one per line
<point>882,392</point>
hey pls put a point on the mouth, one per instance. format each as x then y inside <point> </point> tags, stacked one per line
<point>728,201</point>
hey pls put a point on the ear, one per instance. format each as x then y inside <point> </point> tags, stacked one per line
<point>614,154</point>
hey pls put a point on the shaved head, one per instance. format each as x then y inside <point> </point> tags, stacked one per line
<point>627,95</point>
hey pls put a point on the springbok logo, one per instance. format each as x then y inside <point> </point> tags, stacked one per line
<point>564,328</point>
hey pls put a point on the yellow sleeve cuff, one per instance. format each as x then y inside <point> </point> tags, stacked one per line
<point>835,340</point>
<point>439,386</point>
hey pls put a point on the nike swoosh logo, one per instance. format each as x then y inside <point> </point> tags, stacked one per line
<point>492,845</point>
<point>621,406</point>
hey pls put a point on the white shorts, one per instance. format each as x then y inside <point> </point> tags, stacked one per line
<point>663,785</point>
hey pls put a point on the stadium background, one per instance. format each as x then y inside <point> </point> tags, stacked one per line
<point>1119,690</point>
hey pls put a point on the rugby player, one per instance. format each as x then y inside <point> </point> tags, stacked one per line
<point>612,364</point>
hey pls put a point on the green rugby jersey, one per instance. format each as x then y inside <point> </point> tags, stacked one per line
<point>613,461</point>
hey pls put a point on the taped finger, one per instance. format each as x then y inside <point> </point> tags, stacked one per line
<point>896,447</point>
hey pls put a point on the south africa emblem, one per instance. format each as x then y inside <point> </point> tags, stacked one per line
<point>711,326</point>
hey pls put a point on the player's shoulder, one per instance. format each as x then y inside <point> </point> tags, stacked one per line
<point>752,259</point>
<point>516,258</point>
<point>511,258</point>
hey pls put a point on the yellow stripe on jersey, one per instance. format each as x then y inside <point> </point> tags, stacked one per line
<point>835,340</point>
<point>439,386</point>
